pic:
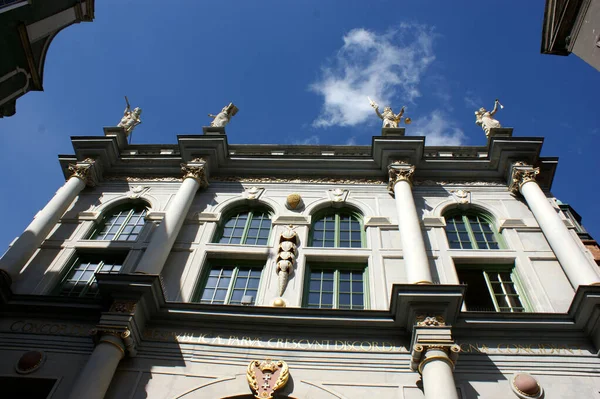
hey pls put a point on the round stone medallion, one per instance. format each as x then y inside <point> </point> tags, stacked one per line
<point>526,387</point>
<point>279,302</point>
<point>293,201</point>
<point>30,362</point>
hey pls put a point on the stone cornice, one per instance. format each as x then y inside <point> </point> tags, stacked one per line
<point>347,165</point>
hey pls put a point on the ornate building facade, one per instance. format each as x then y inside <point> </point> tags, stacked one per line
<point>210,270</point>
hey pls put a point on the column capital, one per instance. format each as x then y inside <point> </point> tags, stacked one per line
<point>121,338</point>
<point>432,340</point>
<point>195,169</point>
<point>521,173</point>
<point>399,171</point>
<point>83,170</point>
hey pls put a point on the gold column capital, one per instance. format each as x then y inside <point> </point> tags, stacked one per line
<point>399,171</point>
<point>83,171</point>
<point>521,173</point>
<point>195,169</point>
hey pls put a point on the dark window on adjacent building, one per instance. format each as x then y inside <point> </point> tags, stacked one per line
<point>230,283</point>
<point>249,227</point>
<point>80,281</point>
<point>471,231</point>
<point>490,289</point>
<point>334,286</point>
<point>123,223</point>
<point>337,228</point>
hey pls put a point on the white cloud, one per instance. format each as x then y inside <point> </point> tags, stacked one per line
<point>383,66</point>
<point>472,101</point>
<point>440,130</point>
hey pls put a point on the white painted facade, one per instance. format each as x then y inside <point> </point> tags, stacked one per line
<point>175,348</point>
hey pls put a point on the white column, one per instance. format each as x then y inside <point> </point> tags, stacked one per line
<point>17,256</point>
<point>413,246</point>
<point>576,265</point>
<point>94,379</point>
<point>436,369</point>
<point>163,238</point>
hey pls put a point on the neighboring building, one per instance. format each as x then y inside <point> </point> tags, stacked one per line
<point>27,27</point>
<point>394,270</point>
<point>572,26</point>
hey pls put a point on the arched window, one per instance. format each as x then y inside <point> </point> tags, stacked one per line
<point>471,230</point>
<point>337,228</point>
<point>245,226</point>
<point>123,223</point>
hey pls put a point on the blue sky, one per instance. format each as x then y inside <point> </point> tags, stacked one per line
<point>300,71</point>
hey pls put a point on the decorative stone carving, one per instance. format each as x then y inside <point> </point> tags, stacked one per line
<point>123,306</point>
<point>526,387</point>
<point>82,170</point>
<point>253,193</point>
<point>484,118</point>
<point>137,191</point>
<point>323,180</point>
<point>398,171</point>
<point>130,118</point>
<point>222,118</point>
<point>521,174</point>
<point>121,332</point>
<point>30,362</point>
<point>338,195</point>
<point>462,197</point>
<point>266,377</point>
<point>294,202</point>
<point>390,120</point>
<point>430,321</point>
<point>288,250</point>
<point>195,169</point>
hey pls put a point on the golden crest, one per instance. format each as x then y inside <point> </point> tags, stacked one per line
<point>266,377</point>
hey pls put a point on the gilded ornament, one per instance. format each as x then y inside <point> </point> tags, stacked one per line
<point>522,173</point>
<point>267,377</point>
<point>430,321</point>
<point>293,201</point>
<point>399,171</point>
<point>279,303</point>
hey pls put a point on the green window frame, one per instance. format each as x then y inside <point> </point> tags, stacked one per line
<point>245,227</point>
<point>79,280</point>
<point>472,230</point>
<point>337,228</point>
<point>336,286</point>
<point>226,283</point>
<point>124,223</point>
<point>492,288</point>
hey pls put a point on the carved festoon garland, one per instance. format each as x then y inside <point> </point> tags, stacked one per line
<point>195,170</point>
<point>399,171</point>
<point>123,306</point>
<point>266,377</point>
<point>522,173</point>
<point>430,321</point>
<point>288,250</point>
<point>82,169</point>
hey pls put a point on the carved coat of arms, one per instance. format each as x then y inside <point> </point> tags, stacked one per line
<point>266,377</point>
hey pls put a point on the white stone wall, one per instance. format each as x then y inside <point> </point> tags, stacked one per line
<point>547,288</point>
